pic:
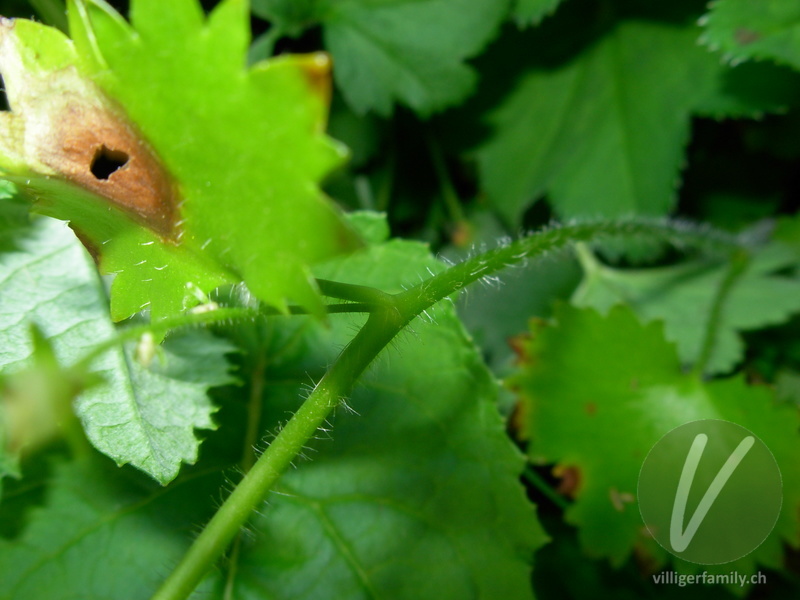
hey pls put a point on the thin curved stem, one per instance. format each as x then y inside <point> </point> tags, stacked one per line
<point>218,315</point>
<point>736,269</point>
<point>363,294</point>
<point>133,333</point>
<point>543,486</point>
<point>446,283</point>
<point>380,328</point>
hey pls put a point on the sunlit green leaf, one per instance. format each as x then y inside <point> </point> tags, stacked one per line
<point>216,164</point>
<point>143,415</point>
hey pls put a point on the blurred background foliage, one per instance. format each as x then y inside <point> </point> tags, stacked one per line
<point>470,121</point>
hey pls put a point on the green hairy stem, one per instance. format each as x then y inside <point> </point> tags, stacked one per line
<point>388,315</point>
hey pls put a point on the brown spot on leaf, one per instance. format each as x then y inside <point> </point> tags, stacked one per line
<point>461,234</point>
<point>591,409</point>
<point>524,344</point>
<point>317,69</point>
<point>518,421</point>
<point>61,125</point>
<point>570,480</point>
<point>98,150</point>
<point>519,345</point>
<point>620,499</point>
<point>746,36</point>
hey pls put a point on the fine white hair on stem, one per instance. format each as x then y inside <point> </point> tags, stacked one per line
<point>346,407</point>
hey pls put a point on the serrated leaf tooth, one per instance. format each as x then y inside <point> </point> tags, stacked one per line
<point>153,17</point>
<point>317,68</point>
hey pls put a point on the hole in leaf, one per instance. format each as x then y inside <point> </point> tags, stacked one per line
<point>107,161</point>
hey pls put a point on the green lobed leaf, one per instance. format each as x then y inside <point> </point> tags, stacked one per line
<point>599,391</point>
<point>372,226</point>
<point>139,415</point>
<point>683,297</point>
<point>147,415</point>
<point>531,12</point>
<point>176,220</point>
<point>742,30</point>
<point>291,17</point>
<point>101,534</point>
<point>414,492</point>
<point>396,52</point>
<point>597,120</point>
<point>410,53</point>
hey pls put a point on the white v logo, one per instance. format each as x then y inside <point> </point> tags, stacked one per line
<point>680,540</point>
